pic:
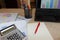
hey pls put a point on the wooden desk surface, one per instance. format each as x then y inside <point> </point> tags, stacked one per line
<point>54,28</point>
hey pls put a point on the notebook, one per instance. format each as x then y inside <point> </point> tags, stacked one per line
<point>42,33</point>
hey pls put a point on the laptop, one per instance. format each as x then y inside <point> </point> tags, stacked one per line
<point>46,12</point>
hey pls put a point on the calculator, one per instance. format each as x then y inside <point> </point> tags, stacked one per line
<point>11,33</point>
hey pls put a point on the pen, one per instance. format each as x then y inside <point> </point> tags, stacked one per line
<point>37,28</point>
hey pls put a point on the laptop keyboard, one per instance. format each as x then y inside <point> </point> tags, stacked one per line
<point>47,15</point>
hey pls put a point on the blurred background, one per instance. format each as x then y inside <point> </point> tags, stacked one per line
<point>15,3</point>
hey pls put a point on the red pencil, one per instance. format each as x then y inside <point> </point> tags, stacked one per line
<point>37,28</point>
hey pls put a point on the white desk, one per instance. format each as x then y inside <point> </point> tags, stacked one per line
<point>54,28</point>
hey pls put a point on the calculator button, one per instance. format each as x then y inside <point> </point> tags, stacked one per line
<point>15,36</point>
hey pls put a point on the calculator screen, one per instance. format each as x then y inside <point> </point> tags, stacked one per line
<point>7,30</point>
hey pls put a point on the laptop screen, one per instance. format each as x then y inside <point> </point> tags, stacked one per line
<point>48,4</point>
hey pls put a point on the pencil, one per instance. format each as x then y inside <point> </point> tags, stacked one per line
<point>37,28</point>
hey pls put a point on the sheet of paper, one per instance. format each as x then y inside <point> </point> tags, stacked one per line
<point>21,25</point>
<point>58,4</point>
<point>45,3</point>
<point>7,17</point>
<point>42,33</point>
<point>22,18</point>
<point>51,3</point>
<point>55,3</point>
